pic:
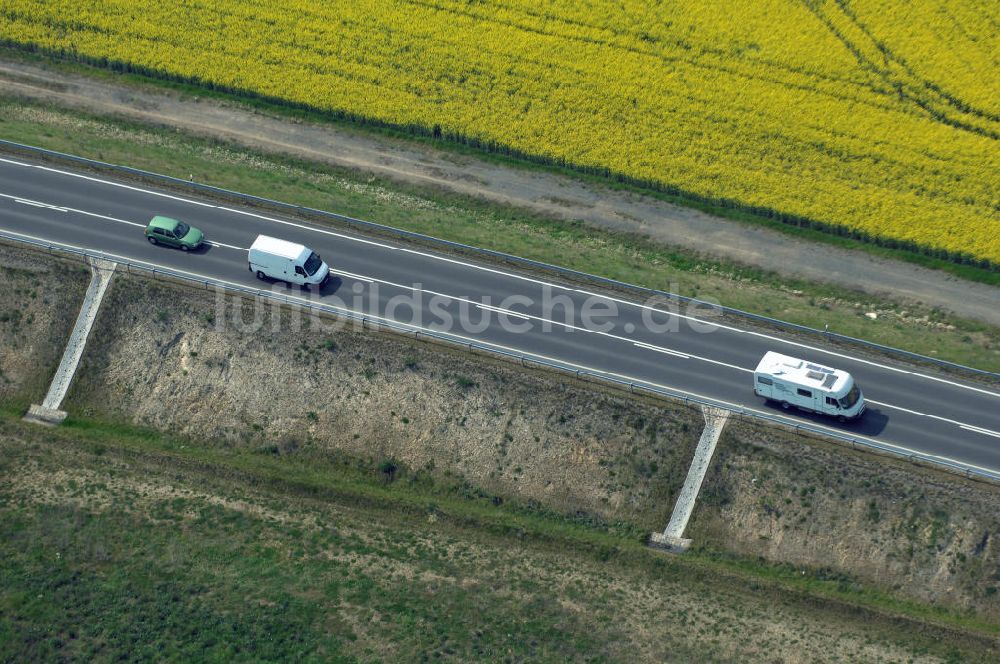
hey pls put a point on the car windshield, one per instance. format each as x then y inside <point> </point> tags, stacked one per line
<point>851,398</point>
<point>181,230</point>
<point>313,263</point>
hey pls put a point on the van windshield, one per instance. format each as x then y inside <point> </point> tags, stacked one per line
<point>313,263</point>
<point>851,398</point>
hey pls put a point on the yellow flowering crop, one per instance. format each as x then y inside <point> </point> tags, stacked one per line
<point>871,117</point>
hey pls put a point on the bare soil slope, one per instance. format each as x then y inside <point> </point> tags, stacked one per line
<point>176,359</point>
<point>173,358</point>
<point>39,300</point>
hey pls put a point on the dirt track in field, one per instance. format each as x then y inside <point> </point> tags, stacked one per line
<point>541,192</point>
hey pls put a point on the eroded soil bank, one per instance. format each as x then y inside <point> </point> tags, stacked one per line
<point>222,371</point>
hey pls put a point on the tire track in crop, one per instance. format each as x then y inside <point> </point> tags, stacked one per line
<point>900,76</point>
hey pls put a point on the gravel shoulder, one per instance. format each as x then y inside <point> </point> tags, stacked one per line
<point>541,192</point>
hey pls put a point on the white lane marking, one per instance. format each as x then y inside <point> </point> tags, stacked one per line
<point>569,326</point>
<point>107,182</point>
<point>304,227</point>
<point>25,201</point>
<point>220,244</point>
<point>69,209</point>
<point>951,382</point>
<point>970,427</point>
<point>352,275</point>
<point>383,245</point>
<point>662,350</point>
<point>668,351</point>
<point>786,341</point>
<point>985,432</point>
<point>105,217</point>
<point>511,275</point>
<point>517,351</point>
<point>506,312</point>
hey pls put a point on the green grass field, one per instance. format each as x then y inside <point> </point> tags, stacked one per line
<point>119,541</point>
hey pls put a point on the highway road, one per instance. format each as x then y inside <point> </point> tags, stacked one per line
<point>912,410</point>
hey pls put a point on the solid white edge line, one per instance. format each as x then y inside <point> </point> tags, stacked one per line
<point>354,238</point>
<point>786,341</point>
<point>511,275</point>
<point>418,328</point>
<point>567,326</point>
<point>107,182</point>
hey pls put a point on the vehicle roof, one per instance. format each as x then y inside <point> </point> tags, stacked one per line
<point>802,372</point>
<point>283,248</point>
<point>163,222</point>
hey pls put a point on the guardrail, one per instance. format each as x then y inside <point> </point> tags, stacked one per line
<point>524,360</point>
<point>509,258</point>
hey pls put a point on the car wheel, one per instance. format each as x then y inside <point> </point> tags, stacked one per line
<point>841,419</point>
<point>786,405</point>
<point>184,247</point>
<point>152,240</point>
<point>260,275</point>
<point>305,287</point>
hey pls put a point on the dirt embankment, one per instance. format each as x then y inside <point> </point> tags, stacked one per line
<point>933,536</point>
<point>222,372</point>
<point>170,359</point>
<point>39,300</point>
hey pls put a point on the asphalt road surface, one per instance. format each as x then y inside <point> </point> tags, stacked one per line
<point>942,417</point>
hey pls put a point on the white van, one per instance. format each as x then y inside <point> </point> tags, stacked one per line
<point>807,386</point>
<point>287,261</point>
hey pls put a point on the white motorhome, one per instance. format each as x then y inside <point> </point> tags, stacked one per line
<point>287,261</point>
<point>807,386</point>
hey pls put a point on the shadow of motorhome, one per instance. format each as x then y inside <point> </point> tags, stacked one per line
<point>871,423</point>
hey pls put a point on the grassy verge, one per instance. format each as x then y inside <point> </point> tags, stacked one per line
<point>963,271</point>
<point>406,499</point>
<point>471,221</point>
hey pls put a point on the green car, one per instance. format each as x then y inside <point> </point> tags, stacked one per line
<point>173,233</point>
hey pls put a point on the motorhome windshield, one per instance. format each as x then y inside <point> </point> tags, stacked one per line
<point>313,263</point>
<point>851,398</point>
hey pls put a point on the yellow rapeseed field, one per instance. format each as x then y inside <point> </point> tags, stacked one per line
<point>870,117</point>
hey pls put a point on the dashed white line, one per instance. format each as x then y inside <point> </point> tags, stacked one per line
<point>220,244</point>
<point>662,350</point>
<point>25,201</point>
<point>500,272</point>
<point>985,432</point>
<point>506,312</point>
<point>359,277</point>
<point>517,351</point>
<point>963,425</point>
